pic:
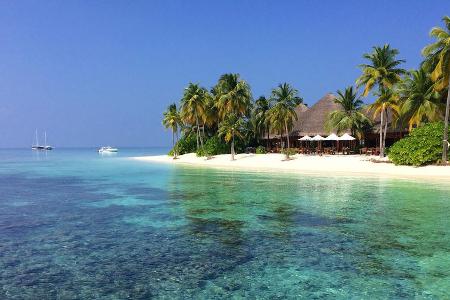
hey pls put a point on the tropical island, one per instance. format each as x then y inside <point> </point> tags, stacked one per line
<point>407,123</point>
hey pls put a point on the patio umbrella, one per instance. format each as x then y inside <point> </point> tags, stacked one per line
<point>305,138</point>
<point>318,138</point>
<point>346,137</point>
<point>333,137</point>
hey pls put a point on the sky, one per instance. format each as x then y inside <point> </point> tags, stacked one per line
<point>93,73</point>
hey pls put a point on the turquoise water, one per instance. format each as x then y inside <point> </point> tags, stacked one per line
<point>76,225</point>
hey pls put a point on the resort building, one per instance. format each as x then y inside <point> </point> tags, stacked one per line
<point>311,122</point>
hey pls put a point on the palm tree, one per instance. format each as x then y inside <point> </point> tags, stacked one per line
<point>420,101</point>
<point>172,120</point>
<point>349,116</point>
<point>230,127</point>
<point>260,117</point>
<point>193,106</point>
<point>438,54</point>
<point>210,116</point>
<point>387,101</point>
<point>282,114</point>
<point>233,95</point>
<point>381,72</point>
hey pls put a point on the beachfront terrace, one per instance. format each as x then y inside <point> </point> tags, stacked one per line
<point>311,122</point>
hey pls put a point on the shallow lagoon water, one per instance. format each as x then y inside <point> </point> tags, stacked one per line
<point>76,225</point>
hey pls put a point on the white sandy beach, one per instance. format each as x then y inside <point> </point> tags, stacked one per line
<point>338,165</point>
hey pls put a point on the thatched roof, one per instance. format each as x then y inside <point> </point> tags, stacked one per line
<point>299,110</point>
<point>311,121</point>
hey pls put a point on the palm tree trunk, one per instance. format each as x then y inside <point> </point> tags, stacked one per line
<point>173,144</point>
<point>381,133</point>
<point>198,130</point>
<point>445,142</point>
<point>287,139</point>
<point>203,129</point>
<point>385,130</point>
<point>268,136</point>
<point>201,137</point>
<point>232,147</point>
<point>176,140</point>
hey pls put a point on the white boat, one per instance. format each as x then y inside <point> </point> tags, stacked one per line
<point>107,149</point>
<point>46,147</point>
<point>36,146</point>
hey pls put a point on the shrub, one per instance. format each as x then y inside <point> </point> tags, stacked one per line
<point>289,151</point>
<point>200,152</point>
<point>186,144</point>
<point>213,146</point>
<point>261,150</point>
<point>423,146</point>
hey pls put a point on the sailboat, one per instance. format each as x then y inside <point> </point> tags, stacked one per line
<point>46,147</point>
<point>36,146</point>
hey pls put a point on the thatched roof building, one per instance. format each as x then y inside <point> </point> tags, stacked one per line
<point>311,121</point>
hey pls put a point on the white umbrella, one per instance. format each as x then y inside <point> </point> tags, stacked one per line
<point>346,137</point>
<point>317,138</point>
<point>332,137</point>
<point>305,138</point>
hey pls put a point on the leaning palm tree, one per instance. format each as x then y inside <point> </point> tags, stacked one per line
<point>172,120</point>
<point>349,115</point>
<point>282,114</point>
<point>383,73</point>
<point>229,128</point>
<point>438,55</point>
<point>260,117</point>
<point>387,101</point>
<point>420,102</point>
<point>233,95</point>
<point>193,108</point>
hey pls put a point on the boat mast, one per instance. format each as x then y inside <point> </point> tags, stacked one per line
<point>37,140</point>
<point>45,138</point>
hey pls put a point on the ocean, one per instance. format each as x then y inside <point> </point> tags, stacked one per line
<point>78,225</point>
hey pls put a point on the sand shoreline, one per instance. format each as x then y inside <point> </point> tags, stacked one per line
<point>334,165</point>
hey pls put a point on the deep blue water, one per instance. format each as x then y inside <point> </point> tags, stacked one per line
<point>78,225</point>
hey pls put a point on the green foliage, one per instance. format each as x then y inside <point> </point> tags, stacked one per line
<point>200,152</point>
<point>289,151</point>
<point>423,146</point>
<point>381,70</point>
<point>261,150</point>
<point>349,115</point>
<point>213,146</point>
<point>420,102</point>
<point>233,95</point>
<point>186,144</point>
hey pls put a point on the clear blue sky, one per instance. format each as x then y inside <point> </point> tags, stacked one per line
<point>101,72</point>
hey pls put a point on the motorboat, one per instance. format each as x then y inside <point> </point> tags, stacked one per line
<point>108,149</point>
